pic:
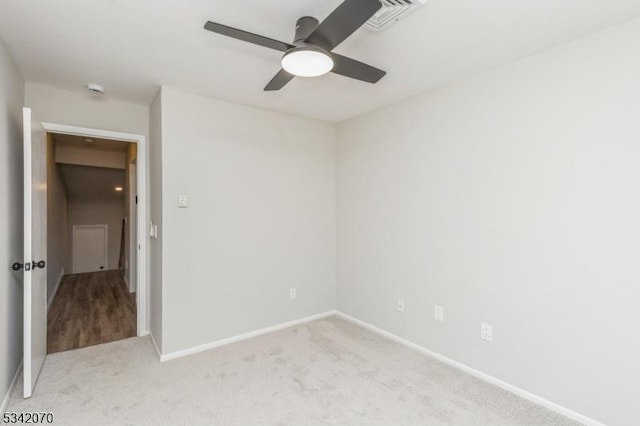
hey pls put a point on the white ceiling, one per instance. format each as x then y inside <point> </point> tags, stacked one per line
<point>134,46</point>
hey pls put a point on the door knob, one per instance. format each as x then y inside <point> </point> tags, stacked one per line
<point>28,266</point>
<point>40,264</point>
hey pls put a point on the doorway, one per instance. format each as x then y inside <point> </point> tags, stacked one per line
<point>88,219</point>
<point>101,280</point>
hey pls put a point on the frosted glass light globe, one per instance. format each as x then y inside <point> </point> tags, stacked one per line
<point>307,62</point>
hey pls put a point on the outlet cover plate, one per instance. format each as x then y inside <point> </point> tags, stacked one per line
<point>486,332</point>
<point>438,313</point>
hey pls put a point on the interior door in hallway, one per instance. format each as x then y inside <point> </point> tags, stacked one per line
<point>89,248</point>
<point>35,250</point>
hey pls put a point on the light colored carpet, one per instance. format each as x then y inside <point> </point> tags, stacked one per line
<point>324,372</point>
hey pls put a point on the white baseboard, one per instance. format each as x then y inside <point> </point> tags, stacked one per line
<point>477,373</point>
<point>126,281</point>
<point>244,336</point>
<point>5,400</point>
<point>55,290</point>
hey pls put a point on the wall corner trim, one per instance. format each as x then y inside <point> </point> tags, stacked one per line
<point>476,373</point>
<point>55,290</point>
<point>5,400</point>
<point>244,336</point>
<point>155,345</point>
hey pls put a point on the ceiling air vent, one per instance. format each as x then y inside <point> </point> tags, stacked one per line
<point>391,12</point>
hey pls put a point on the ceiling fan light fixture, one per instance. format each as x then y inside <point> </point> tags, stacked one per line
<point>307,62</point>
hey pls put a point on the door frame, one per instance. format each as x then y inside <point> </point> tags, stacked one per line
<point>133,207</point>
<point>142,182</point>
<point>106,244</point>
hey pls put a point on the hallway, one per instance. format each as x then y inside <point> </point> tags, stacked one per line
<point>90,309</point>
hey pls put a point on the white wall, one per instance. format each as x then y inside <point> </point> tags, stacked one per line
<point>82,109</point>
<point>57,222</point>
<point>261,218</point>
<point>11,102</point>
<point>155,216</point>
<point>511,198</point>
<point>99,212</point>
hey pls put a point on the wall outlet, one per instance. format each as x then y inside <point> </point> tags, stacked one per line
<point>293,294</point>
<point>401,305</point>
<point>486,332</point>
<point>438,313</point>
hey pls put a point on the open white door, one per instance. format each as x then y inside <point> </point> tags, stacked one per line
<point>35,250</point>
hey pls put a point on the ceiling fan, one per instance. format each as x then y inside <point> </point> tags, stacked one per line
<point>310,54</point>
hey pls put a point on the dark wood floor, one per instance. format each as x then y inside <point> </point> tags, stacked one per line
<point>89,309</point>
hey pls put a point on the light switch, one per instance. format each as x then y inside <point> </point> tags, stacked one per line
<point>183,200</point>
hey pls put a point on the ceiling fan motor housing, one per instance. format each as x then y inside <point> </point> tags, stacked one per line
<point>306,59</point>
<point>304,27</point>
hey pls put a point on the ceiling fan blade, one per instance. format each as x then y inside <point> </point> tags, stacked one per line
<point>279,81</point>
<point>247,36</point>
<point>343,22</point>
<point>355,69</point>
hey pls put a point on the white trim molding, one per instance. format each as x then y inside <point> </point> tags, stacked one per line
<point>587,421</point>
<point>240,337</point>
<point>142,182</point>
<point>7,397</point>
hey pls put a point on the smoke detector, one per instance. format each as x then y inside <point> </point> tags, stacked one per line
<point>391,12</point>
<point>95,88</point>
